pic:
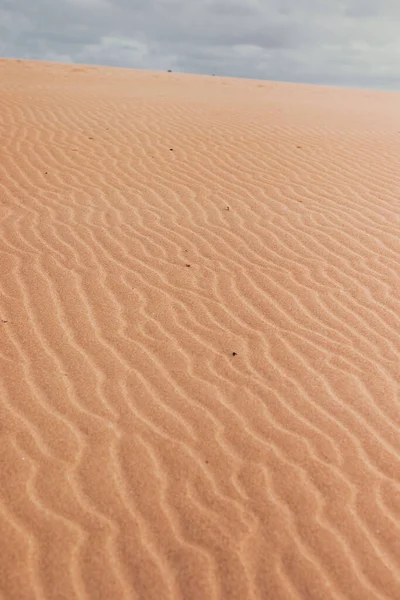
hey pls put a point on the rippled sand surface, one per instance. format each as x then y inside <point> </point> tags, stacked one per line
<point>199,338</point>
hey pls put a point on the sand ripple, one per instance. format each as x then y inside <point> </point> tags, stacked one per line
<point>200,338</point>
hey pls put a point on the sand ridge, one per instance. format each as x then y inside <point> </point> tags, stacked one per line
<point>199,337</point>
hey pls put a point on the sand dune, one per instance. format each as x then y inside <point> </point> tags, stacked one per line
<point>200,338</point>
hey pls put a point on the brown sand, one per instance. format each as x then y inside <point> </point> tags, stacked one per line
<point>196,402</point>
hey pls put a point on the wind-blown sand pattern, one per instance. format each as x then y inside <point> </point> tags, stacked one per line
<point>200,338</point>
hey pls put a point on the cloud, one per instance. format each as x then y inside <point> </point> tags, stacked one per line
<point>352,43</point>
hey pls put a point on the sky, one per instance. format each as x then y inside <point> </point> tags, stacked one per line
<point>353,43</point>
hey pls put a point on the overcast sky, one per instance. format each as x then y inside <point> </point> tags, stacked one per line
<point>352,43</point>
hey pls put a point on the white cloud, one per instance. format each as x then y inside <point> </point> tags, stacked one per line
<point>353,42</point>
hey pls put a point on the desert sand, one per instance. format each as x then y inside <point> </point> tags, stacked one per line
<point>199,337</point>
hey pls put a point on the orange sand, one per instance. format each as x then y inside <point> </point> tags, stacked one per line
<point>140,458</point>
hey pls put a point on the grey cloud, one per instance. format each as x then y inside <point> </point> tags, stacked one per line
<point>352,42</point>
